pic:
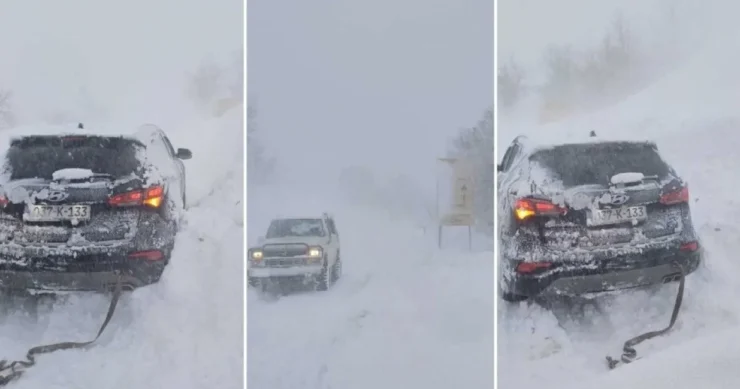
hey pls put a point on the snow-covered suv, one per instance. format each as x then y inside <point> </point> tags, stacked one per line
<point>81,211</point>
<point>592,216</point>
<point>304,249</point>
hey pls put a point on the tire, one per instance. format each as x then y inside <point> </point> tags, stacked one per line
<point>258,284</point>
<point>323,280</point>
<point>168,253</point>
<point>511,297</point>
<point>336,270</point>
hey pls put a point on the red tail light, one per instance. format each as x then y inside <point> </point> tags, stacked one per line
<point>689,246</point>
<point>676,197</point>
<point>151,196</point>
<point>531,267</point>
<point>3,201</point>
<point>149,255</point>
<point>527,208</point>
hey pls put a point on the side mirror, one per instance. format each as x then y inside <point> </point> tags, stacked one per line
<point>499,168</point>
<point>184,154</point>
<point>261,240</point>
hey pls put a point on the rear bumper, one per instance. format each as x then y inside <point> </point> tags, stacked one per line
<point>28,262</point>
<point>58,282</point>
<point>617,273</point>
<point>96,272</point>
<point>295,271</point>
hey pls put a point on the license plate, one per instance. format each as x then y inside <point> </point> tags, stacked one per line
<point>600,217</point>
<point>53,213</point>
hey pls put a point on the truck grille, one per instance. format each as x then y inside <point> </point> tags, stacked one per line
<point>283,251</point>
<point>285,262</point>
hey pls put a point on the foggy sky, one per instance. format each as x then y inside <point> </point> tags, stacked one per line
<point>128,57</point>
<point>374,82</point>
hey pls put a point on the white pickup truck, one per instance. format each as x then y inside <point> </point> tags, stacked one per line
<point>306,249</point>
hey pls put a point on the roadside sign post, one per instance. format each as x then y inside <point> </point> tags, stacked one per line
<point>461,212</point>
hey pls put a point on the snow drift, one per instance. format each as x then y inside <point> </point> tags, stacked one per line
<point>691,113</point>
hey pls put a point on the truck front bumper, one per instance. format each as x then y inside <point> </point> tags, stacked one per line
<point>285,267</point>
<point>295,271</point>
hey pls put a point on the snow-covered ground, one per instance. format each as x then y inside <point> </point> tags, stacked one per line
<point>403,315</point>
<point>692,114</point>
<point>185,331</point>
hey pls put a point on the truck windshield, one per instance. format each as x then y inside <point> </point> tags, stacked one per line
<point>295,227</point>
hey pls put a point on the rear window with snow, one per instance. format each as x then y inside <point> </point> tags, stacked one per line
<point>597,163</point>
<point>41,156</point>
<point>295,227</point>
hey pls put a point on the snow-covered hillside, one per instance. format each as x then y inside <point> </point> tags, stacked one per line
<point>692,114</point>
<point>403,315</point>
<point>185,331</point>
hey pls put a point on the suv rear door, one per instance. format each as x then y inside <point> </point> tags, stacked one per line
<point>613,193</point>
<point>58,186</point>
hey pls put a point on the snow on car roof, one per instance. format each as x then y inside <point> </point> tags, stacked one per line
<point>314,217</point>
<point>71,130</point>
<point>542,143</point>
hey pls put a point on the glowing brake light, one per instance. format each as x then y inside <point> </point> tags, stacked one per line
<point>150,196</point>
<point>527,208</point>
<point>676,197</point>
<point>149,255</point>
<point>690,246</point>
<point>154,196</point>
<point>531,267</point>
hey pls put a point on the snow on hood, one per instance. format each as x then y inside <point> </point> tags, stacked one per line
<point>309,240</point>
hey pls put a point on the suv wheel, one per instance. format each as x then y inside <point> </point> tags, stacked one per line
<point>510,297</point>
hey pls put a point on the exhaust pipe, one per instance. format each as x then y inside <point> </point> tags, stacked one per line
<point>125,287</point>
<point>671,278</point>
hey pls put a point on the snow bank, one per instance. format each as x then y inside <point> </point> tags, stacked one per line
<point>706,362</point>
<point>692,116</point>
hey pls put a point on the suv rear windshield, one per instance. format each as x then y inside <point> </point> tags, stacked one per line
<point>596,163</point>
<point>40,157</point>
<point>295,227</point>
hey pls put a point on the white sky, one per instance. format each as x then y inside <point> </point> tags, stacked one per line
<point>383,83</point>
<point>130,56</point>
<point>527,27</point>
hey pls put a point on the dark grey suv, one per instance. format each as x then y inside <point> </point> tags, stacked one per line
<point>80,212</point>
<point>591,217</point>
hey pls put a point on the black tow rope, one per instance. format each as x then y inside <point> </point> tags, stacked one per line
<point>629,354</point>
<point>13,370</point>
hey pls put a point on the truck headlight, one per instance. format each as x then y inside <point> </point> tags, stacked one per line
<point>315,252</point>
<point>256,255</point>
